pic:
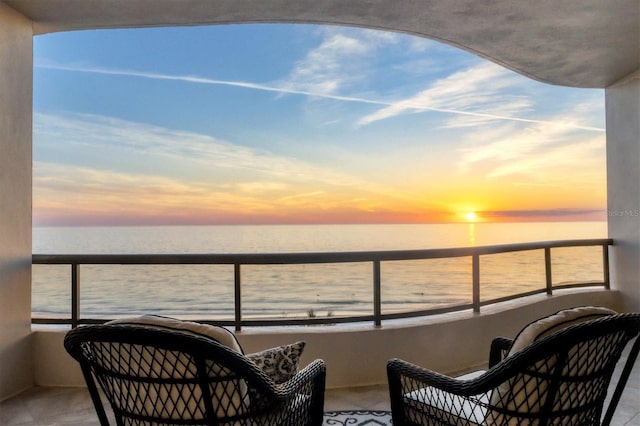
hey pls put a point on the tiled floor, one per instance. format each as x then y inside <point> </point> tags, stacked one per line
<point>72,406</point>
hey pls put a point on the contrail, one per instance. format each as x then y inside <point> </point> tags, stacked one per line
<point>284,90</point>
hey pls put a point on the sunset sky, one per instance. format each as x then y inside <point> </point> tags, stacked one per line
<point>269,123</point>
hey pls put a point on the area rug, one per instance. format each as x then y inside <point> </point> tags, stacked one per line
<point>357,418</point>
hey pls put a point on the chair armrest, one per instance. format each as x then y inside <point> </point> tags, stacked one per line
<point>314,373</point>
<point>305,391</point>
<point>397,369</point>
<point>499,348</point>
<point>422,396</point>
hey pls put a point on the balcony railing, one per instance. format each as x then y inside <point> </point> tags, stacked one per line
<point>376,258</point>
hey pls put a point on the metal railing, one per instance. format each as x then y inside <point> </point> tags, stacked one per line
<point>374,257</point>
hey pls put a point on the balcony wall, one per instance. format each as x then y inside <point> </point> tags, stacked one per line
<point>356,355</point>
<point>623,186</point>
<point>15,201</point>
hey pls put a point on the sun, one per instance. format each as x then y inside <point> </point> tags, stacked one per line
<point>471,216</point>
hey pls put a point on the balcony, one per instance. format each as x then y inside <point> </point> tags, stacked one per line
<point>32,356</point>
<point>376,335</point>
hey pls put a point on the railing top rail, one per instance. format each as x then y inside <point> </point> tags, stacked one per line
<point>305,258</point>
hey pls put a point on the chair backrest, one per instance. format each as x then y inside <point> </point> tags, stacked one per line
<point>167,376</point>
<point>562,379</point>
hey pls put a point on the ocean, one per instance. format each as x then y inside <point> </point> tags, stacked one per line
<point>298,291</point>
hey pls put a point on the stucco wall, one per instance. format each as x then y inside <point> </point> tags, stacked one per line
<point>357,355</point>
<point>623,186</point>
<point>15,202</point>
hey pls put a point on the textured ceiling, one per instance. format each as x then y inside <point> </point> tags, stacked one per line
<point>582,43</point>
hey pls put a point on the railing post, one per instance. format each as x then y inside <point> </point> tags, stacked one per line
<point>547,270</point>
<point>75,294</point>
<point>237,296</point>
<point>377,300</point>
<point>605,266</point>
<point>476,282</point>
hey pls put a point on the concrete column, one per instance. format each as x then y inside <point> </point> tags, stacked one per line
<point>16,85</point>
<point>623,186</point>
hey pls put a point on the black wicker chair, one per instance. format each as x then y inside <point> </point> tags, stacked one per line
<point>560,379</point>
<point>170,377</point>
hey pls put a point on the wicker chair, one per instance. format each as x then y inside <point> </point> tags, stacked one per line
<point>153,376</point>
<point>560,379</point>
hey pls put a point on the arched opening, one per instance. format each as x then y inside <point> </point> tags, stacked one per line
<point>353,139</point>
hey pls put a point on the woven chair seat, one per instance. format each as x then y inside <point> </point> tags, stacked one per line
<point>470,410</point>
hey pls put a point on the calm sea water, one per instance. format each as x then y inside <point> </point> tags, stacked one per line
<point>206,291</point>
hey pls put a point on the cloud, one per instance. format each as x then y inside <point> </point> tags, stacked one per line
<point>217,155</point>
<point>478,95</point>
<point>460,91</point>
<point>340,60</point>
<point>556,214</point>
<point>420,66</point>
<point>574,156</point>
<point>72,195</point>
<point>323,69</point>
<point>61,186</point>
<point>153,172</point>
<point>538,150</point>
<point>65,187</point>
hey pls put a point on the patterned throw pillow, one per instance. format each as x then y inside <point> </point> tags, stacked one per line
<point>280,363</point>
